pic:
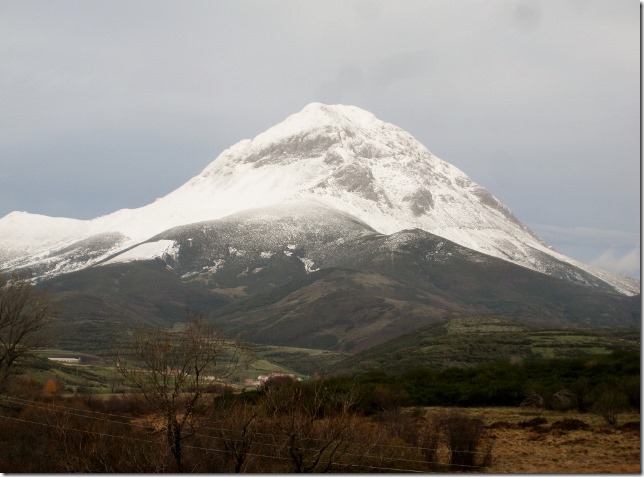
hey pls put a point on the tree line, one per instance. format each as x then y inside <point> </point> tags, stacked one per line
<point>539,382</point>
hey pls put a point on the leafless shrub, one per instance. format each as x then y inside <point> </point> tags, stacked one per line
<point>315,426</point>
<point>609,404</point>
<point>534,400</point>
<point>402,425</point>
<point>430,440</point>
<point>464,438</point>
<point>563,400</point>
<point>234,430</point>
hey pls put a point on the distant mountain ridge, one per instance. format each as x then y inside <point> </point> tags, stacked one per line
<point>341,158</point>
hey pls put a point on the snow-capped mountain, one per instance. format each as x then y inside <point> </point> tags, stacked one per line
<point>340,157</point>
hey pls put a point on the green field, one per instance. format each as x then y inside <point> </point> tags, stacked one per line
<point>466,342</point>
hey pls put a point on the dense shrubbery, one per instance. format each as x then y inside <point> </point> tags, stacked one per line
<point>504,383</point>
<point>286,427</point>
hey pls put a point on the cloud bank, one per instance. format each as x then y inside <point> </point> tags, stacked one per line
<point>108,105</point>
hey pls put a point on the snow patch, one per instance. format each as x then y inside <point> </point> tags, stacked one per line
<point>218,263</point>
<point>235,252</point>
<point>308,265</point>
<point>147,251</point>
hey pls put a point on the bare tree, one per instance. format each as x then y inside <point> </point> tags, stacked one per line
<point>235,432</point>
<point>24,311</point>
<point>317,426</point>
<point>173,369</point>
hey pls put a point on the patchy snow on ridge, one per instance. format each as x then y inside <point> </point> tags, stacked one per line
<point>308,265</point>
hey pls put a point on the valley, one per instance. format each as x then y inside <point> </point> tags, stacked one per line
<point>386,431</point>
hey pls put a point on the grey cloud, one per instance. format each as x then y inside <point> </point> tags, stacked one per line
<point>601,237</point>
<point>536,100</point>
<point>401,66</point>
<point>527,14</point>
<point>614,250</point>
<point>348,80</point>
<point>627,263</point>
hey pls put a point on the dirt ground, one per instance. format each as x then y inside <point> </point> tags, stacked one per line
<point>538,441</point>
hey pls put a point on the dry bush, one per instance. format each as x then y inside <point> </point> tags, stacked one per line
<point>563,400</point>
<point>411,442</point>
<point>569,424</point>
<point>86,441</point>
<point>534,400</point>
<point>231,430</point>
<point>609,404</point>
<point>25,387</point>
<point>430,441</point>
<point>129,404</point>
<point>402,425</point>
<point>63,435</point>
<point>313,427</point>
<point>534,422</point>
<point>463,436</point>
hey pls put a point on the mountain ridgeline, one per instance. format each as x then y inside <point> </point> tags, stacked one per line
<point>331,230</point>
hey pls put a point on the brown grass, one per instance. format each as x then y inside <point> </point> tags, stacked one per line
<point>525,447</point>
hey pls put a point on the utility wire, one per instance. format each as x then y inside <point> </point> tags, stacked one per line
<point>63,409</point>
<point>68,411</point>
<point>189,446</point>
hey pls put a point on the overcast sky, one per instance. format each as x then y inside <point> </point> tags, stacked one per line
<point>111,104</point>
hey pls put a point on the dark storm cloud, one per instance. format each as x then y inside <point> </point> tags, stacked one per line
<point>107,105</point>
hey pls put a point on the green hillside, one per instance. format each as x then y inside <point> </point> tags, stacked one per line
<point>466,342</point>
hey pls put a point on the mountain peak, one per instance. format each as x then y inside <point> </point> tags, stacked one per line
<point>337,113</point>
<point>340,156</point>
<point>316,119</point>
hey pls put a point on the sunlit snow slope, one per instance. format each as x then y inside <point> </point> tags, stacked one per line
<point>341,156</point>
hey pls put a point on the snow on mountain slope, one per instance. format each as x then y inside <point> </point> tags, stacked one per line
<point>146,251</point>
<point>341,156</point>
<point>24,233</point>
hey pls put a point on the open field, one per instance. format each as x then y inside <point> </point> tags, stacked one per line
<point>97,373</point>
<point>522,445</point>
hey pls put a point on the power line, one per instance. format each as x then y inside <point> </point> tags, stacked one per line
<point>102,434</point>
<point>55,408</point>
<point>66,410</point>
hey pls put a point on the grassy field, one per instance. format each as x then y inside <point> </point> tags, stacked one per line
<point>98,375</point>
<point>532,441</point>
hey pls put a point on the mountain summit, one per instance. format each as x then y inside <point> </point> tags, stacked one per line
<point>341,157</point>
